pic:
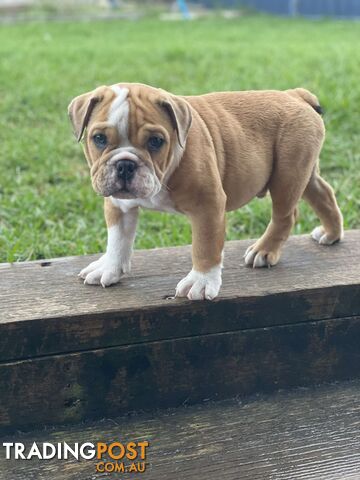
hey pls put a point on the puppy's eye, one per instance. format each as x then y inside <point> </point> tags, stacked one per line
<point>100,140</point>
<point>155,143</point>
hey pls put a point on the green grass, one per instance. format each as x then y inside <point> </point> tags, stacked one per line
<point>47,206</point>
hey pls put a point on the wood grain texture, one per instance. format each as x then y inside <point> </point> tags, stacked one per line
<point>304,434</point>
<point>68,388</point>
<point>47,310</point>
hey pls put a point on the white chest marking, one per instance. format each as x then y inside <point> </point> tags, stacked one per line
<point>160,202</point>
<point>119,113</point>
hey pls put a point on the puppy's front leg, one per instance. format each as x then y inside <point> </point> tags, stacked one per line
<point>116,261</point>
<point>208,236</point>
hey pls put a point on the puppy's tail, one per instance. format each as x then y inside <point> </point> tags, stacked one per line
<point>308,97</point>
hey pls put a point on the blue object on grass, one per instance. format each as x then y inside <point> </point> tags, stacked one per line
<point>184,9</point>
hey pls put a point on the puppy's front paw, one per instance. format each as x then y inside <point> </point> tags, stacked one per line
<point>200,286</point>
<point>105,271</point>
<point>258,257</point>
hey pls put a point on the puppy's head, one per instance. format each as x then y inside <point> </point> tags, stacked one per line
<point>133,136</point>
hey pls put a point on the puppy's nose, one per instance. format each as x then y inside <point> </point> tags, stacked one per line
<point>126,169</point>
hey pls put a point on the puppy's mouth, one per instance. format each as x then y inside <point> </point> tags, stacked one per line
<point>125,179</point>
<point>124,192</point>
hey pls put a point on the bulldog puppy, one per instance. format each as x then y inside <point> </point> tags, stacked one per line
<point>202,156</point>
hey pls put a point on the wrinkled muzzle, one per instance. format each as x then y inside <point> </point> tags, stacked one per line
<point>124,175</point>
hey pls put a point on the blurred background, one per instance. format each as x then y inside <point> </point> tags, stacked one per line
<point>187,9</point>
<point>51,51</point>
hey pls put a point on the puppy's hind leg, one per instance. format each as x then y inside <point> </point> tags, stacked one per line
<point>286,187</point>
<point>321,198</point>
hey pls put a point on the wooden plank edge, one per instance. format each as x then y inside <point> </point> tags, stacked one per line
<point>62,389</point>
<point>36,338</point>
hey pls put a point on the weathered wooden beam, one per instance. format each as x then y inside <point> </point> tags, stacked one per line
<point>45,309</point>
<point>69,351</point>
<point>302,434</point>
<point>170,373</point>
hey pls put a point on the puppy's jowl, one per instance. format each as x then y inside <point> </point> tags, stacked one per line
<point>202,156</point>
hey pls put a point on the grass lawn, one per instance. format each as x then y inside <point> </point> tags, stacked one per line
<point>47,206</point>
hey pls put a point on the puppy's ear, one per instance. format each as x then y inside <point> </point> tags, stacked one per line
<point>80,110</point>
<point>180,114</point>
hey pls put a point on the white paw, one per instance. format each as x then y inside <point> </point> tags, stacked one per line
<point>320,236</point>
<point>105,271</point>
<point>200,286</point>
